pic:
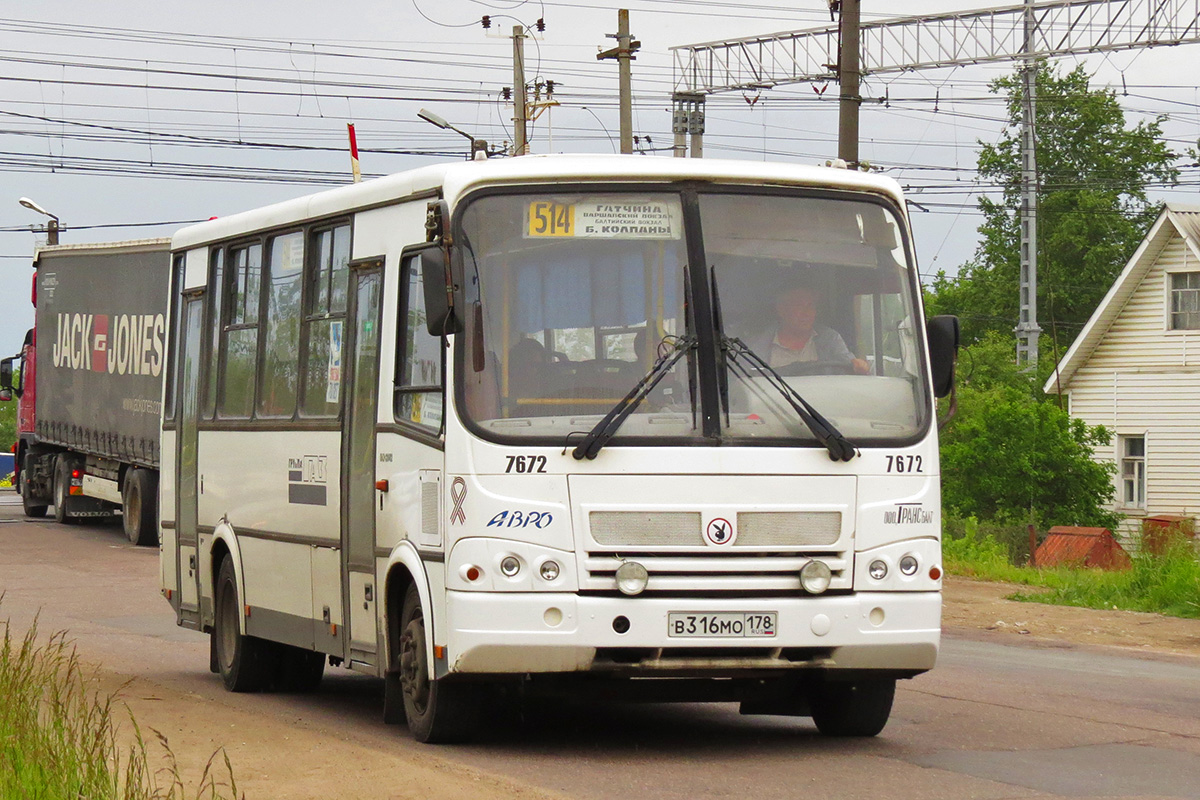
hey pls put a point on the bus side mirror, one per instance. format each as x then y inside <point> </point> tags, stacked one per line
<point>943,335</point>
<point>6,376</point>
<point>443,291</point>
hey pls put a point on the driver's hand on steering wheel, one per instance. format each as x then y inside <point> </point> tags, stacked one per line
<point>861,367</point>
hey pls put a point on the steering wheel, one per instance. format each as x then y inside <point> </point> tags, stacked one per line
<point>816,368</point>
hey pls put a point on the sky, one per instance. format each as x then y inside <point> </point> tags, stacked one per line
<point>129,119</point>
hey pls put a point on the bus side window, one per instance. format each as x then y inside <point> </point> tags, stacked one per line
<point>324,320</point>
<point>239,339</point>
<point>419,355</point>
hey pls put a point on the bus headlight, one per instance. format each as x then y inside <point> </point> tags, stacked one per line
<point>878,570</point>
<point>908,565</point>
<point>632,578</point>
<point>549,570</point>
<point>815,577</point>
<point>510,566</point>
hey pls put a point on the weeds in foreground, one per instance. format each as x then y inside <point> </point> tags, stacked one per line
<point>1164,584</point>
<point>59,734</point>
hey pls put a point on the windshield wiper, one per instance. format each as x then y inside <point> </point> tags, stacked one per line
<point>598,436</point>
<point>840,448</point>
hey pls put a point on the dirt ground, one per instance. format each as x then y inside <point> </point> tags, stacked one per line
<point>978,609</point>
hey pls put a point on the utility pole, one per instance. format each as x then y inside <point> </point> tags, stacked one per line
<point>520,113</point>
<point>849,73</point>
<point>623,52</point>
<point>1027,329</point>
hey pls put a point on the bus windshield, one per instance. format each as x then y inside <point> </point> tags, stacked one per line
<point>573,296</point>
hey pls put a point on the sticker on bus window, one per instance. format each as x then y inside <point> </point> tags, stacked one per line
<point>333,380</point>
<point>615,218</point>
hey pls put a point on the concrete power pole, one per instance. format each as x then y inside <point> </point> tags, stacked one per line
<point>849,72</point>
<point>520,112</point>
<point>623,53</point>
<point>1027,329</point>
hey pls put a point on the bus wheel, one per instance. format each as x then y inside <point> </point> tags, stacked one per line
<point>853,708</point>
<point>32,507</point>
<point>243,661</point>
<point>298,670</point>
<point>437,711</point>
<point>138,508</point>
<point>62,490</point>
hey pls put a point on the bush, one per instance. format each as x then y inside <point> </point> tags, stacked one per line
<point>1164,584</point>
<point>58,734</point>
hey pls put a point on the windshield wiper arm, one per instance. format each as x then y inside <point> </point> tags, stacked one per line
<point>840,448</point>
<point>598,436</point>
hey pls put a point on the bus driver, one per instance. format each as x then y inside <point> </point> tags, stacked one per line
<point>797,337</point>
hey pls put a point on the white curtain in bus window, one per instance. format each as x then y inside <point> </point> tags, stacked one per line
<point>281,345</point>
<point>579,294</point>
<point>419,374</point>
<point>328,279</point>
<point>239,347</point>
<point>215,297</point>
<point>819,288</point>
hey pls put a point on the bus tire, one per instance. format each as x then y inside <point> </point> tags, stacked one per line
<point>297,670</point>
<point>243,661</point>
<point>853,708</point>
<point>437,711</point>
<point>33,508</point>
<point>139,508</point>
<point>63,502</point>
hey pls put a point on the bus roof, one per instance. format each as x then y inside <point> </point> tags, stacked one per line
<point>452,180</point>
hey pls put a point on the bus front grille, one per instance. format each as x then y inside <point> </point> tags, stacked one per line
<point>714,572</point>
<point>773,529</point>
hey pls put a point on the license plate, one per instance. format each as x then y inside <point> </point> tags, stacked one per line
<point>723,624</point>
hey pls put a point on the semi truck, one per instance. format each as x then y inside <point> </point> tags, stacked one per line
<point>88,383</point>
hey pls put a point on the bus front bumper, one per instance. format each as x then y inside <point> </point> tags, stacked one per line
<point>517,633</point>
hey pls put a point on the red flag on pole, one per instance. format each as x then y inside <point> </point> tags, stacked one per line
<point>353,152</point>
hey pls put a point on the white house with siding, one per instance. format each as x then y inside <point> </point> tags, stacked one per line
<point>1135,369</point>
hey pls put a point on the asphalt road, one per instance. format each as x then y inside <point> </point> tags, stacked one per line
<point>992,720</point>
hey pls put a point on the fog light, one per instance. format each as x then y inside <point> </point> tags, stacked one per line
<point>815,577</point>
<point>549,570</point>
<point>632,578</point>
<point>908,565</point>
<point>510,566</point>
<point>877,570</point>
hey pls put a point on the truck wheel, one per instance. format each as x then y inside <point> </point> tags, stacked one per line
<point>437,711</point>
<point>139,504</point>
<point>243,661</point>
<point>63,502</point>
<point>857,708</point>
<point>32,507</point>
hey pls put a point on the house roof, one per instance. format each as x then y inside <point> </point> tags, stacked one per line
<point>1176,219</point>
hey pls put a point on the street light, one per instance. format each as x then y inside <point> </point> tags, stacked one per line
<point>51,226</point>
<point>478,146</point>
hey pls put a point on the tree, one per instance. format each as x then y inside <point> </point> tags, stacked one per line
<point>8,425</point>
<point>1009,454</point>
<point>1093,173</point>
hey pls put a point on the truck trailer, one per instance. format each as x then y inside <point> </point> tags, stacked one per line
<point>88,383</point>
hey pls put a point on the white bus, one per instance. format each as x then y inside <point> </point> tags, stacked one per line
<point>660,428</point>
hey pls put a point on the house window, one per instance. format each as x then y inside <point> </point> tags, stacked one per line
<point>1185,301</point>
<point>1133,471</point>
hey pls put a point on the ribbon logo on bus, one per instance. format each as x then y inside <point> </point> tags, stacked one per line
<point>458,494</point>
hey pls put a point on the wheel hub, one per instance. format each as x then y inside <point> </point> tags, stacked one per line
<point>414,666</point>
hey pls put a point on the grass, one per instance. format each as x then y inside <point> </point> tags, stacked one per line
<point>60,737</point>
<point>1163,584</point>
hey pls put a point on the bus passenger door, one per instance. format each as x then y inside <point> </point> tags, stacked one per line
<point>358,462</point>
<point>187,445</point>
